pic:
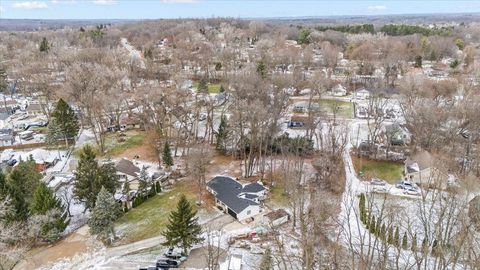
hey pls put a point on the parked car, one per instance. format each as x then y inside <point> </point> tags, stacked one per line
<point>11,162</point>
<point>294,124</point>
<point>167,263</point>
<point>407,185</point>
<point>377,182</point>
<point>171,254</point>
<point>412,192</point>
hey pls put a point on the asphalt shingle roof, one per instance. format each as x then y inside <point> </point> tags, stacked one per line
<point>228,190</point>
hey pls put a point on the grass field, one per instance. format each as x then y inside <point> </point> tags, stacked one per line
<point>213,88</point>
<point>114,147</point>
<point>150,218</point>
<point>344,108</point>
<point>388,171</point>
<point>119,147</point>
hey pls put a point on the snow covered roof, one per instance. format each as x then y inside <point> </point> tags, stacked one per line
<point>40,156</point>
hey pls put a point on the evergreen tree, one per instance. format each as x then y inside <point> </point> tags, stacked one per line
<point>396,239</point>
<point>143,181</point>
<point>203,86</point>
<point>152,191</point>
<point>405,241</point>
<point>158,188</point>
<point>222,134</point>
<point>167,155</point>
<point>103,216</point>
<point>126,189</point>
<point>183,229</point>
<point>45,203</point>
<point>21,183</point>
<point>63,123</point>
<point>418,61</point>
<point>3,80</point>
<point>90,178</point>
<point>44,45</point>
<point>304,36</point>
<point>414,243</point>
<point>3,185</point>
<point>361,205</point>
<point>425,247</point>
<point>266,262</point>
<point>262,69</point>
<point>372,225</point>
<point>435,248</point>
<point>383,232</point>
<point>390,235</point>
<point>222,89</point>
<point>460,43</point>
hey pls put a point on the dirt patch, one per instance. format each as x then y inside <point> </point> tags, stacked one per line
<point>198,258</point>
<point>76,243</point>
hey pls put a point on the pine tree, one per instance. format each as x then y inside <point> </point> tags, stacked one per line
<point>104,214</point>
<point>158,188</point>
<point>222,89</point>
<point>396,240</point>
<point>414,243</point>
<point>44,45</point>
<point>203,86</point>
<point>63,123</point>
<point>152,191</point>
<point>45,203</point>
<point>126,189</point>
<point>90,178</point>
<point>372,225</point>
<point>390,235</point>
<point>222,134</point>
<point>167,155</point>
<point>418,61</point>
<point>383,232</point>
<point>405,241</point>
<point>143,181</point>
<point>183,229</point>
<point>266,262</point>
<point>262,69</point>
<point>425,247</point>
<point>435,248</point>
<point>21,183</point>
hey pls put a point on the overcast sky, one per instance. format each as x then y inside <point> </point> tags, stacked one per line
<point>153,9</point>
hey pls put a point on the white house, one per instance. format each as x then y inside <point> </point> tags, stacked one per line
<point>240,201</point>
<point>362,94</point>
<point>339,91</point>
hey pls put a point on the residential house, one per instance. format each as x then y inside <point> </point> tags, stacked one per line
<point>242,201</point>
<point>126,170</point>
<point>7,136</point>
<point>34,109</point>
<point>420,169</point>
<point>339,91</point>
<point>362,93</point>
<point>44,159</point>
<point>397,135</point>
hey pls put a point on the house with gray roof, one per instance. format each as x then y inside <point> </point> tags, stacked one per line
<point>242,201</point>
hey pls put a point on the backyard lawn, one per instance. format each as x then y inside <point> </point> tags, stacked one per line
<point>150,218</point>
<point>388,171</point>
<point>344,108</point>
<point>115,148</point>
<point>213,88</point>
